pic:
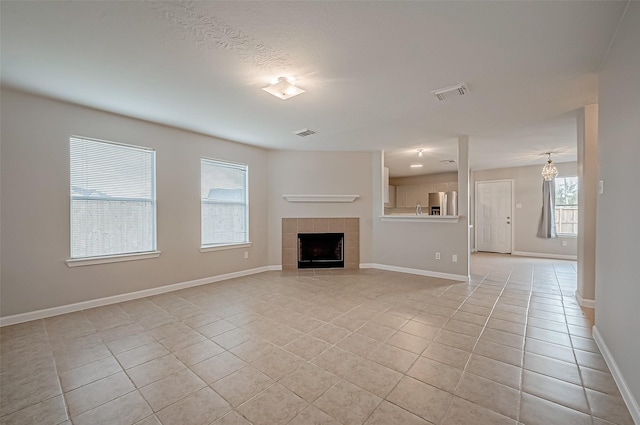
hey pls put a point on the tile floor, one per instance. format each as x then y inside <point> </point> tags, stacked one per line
<point>322,347</point>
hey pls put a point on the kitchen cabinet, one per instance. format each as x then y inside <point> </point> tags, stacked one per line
<point>392,198</point>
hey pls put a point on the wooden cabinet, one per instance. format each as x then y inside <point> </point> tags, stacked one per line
<point>401,196</point>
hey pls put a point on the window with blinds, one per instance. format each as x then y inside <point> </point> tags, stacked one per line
<point>224,203</point>
<point>113,199</point>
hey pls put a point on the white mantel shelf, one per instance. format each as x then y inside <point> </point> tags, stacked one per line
<point>320,198</point>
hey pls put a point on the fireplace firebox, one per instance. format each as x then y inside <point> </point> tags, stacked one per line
<point>320,250</point>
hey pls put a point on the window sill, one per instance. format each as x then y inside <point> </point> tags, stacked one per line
<point>225,247</point>
<point>567,235</point>
<point>91,261</point>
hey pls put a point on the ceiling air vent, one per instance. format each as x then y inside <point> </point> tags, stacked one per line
<point>448,161</point>
<point>451,91</point>
<point>304,132</point>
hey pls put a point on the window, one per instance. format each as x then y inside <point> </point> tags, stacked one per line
<point>567,205</point>
<point>113,199</point>
<point>224,202</point>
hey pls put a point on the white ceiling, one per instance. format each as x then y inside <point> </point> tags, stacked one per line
<point>368,69</point>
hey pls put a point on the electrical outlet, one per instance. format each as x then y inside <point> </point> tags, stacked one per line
<point>246,254</point>
<point>454,258</point>
<point>564,243</point>
<point>437,255</point>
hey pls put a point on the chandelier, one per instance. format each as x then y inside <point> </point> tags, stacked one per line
<point>549,171</point>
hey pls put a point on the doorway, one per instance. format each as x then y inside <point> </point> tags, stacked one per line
<point>494,216</point>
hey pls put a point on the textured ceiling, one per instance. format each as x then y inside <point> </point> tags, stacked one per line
<point>368,69</point>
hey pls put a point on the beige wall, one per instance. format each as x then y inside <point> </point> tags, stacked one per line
<point>319,173</point>
<point>528,192</point>
<point>426,178</point>
<point>618,232</point>
<point>35,205</point>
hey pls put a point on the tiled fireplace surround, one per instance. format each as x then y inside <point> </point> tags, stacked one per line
<point>348,225</point>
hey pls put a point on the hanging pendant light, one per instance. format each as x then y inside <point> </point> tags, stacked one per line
<point>549,172</point>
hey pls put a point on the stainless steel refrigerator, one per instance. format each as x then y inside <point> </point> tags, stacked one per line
<point>443,203</point>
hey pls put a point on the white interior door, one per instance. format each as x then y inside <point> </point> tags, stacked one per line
<point>493,216</point>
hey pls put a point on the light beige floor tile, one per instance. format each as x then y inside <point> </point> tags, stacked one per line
<point>309,381</point>
<point>278,363</point>
<point>558,352</point>
<point>489,394</point>
<point>554,390</point>
<point>241,385</point>
<point>76,358</point>
<point>408,342</point>
<point>591,360</point>
<point>448,355</point>
<point>503,338</point>
<point>88,373</point>
<point>455,339</point>
<point>421,399</point>
<point>499,352</point>
<point>553,337</point>
<point>200,408</point>
<point>389,320</point>
<point>313,416</point>
<point>124,410</point>
<point>48,412</point>
<point>307,347</point>
<point>182,340</point>
<point>252,350</point>
<point>358,344</point>
<point>495,370</point>
<point>198,352</point>
<point>373,377</point>
<point>436,374</point>
<point>142,354</point>
<point>97,393</point>
<point>420,329</point>
<point>463,412</point>
<point>551,367</point>
<point>149,420</point>
<point>153,370</point>
<point>172,388</point>
<point>216,328</point>
<point>537,411</point>
<point>232,418</point>
<point>348,403</point>
<point>233,338</point>
<point>393,357</point>
<point>609,407</point>
<point>374,331</point>
<point>599,381</point>
<point>467,317</point>
<point>129,342</point>
<point>464,328</point>
<point>330,333</point>
<point>217,367</point>
<point>274,406</point>
<point>337,361</point>
<point>506,326</point>
<point>390,414</point>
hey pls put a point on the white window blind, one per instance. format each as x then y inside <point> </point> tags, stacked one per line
<point>113,200</point>
<point>224,202</point>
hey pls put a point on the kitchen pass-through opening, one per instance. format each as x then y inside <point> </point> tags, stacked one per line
<point>320,250</point>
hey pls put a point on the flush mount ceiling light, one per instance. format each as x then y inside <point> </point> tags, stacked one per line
<point>415,165</point>
<point>459,89</point>
<point>283,89</point>
<point>549,172</point>
<point>420,153</point>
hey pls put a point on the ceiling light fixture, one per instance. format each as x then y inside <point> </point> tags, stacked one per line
<point>415,165</point>
<point>459,89</point>
<point>420,153</point>
<point>284,88</point>
<point>549,172</point>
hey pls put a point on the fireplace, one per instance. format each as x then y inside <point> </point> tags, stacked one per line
<point>349,227</point>
<point>320,250</point>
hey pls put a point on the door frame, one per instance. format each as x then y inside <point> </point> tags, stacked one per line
<point>475,211</point>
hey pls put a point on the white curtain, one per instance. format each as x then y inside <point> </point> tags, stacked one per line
<point>547,227</point>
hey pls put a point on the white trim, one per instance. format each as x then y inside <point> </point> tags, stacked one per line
<point>70,308</point>
<point>420,272</point>
<point>627,395</point>
<point>320,198</point>
<point>77,262</point>
<point>585,302</point>
<point>225,247</point>
<point>419,218</point>
<point>543,255</point>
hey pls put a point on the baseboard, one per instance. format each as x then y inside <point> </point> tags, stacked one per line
<point>585,302</point>
<point>70,308</point>
<point>630,401</point>
<point>543,255</point>
<point>419,272</point>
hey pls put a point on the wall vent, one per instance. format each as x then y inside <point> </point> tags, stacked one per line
<point>452,91</point>
<point>304,132</point>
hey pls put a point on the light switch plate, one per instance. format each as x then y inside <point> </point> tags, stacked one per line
<point>518,205</point>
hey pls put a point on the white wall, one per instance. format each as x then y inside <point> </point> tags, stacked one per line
<point>35,205</point>
<point>528,192</point>
<point>319,173</point>
<point>618,232</point>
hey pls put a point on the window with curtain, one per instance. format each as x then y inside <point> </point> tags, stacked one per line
<point>113,199</point>
<point>566,205</point>
<point>224,203</point>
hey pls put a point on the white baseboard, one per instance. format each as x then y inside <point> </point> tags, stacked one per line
<point>419,272</point>
<point>585,302</point>
<point>70,308</point>
<point>543,255</point>
<point>631,402</point>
